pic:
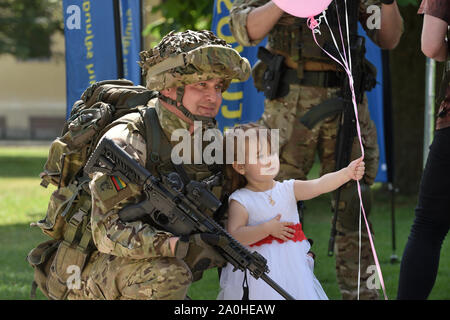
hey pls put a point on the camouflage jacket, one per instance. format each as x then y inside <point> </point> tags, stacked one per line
<point>136,240</point>
<point>241,9</point>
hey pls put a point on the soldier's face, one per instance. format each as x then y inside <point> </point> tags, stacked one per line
<point>203,98</point>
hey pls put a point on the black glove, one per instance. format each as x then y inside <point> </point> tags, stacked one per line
<point>387,1</point>
<point>197,251</point>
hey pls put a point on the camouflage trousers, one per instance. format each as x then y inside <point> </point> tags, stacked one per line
<point>108,277</point>
<point>298,149</point>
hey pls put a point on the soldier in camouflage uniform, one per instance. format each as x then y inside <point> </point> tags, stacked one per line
<point>316,79</point>
<point>136,260</point>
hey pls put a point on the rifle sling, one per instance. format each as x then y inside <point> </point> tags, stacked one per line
<point>154,130</point>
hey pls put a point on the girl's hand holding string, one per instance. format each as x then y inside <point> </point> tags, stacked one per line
<point>355,170</point>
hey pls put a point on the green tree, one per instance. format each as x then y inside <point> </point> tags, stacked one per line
<point>26,27</point>
<point>179,16</point>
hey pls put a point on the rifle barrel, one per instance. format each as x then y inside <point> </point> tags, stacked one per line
<point>276,287</point>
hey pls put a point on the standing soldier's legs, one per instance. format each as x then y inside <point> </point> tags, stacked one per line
<point>112,278</point>
<point>347,225</point>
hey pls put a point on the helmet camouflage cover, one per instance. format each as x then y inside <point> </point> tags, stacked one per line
<point>191,56</point>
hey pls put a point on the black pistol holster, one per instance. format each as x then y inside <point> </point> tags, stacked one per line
<point>272,76</point>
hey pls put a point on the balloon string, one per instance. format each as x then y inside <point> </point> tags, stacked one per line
<point>348,35</point>
<point>350,68</point>
<point>377,264</point>
<point>359,252</point>
<point>311,22</point>
<point>314,24</point>
<point>342,38</point>
<point>335,43</point>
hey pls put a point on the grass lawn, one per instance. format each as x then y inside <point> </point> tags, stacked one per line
<point>23,201</point>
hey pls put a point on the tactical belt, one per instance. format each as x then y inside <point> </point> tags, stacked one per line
<point>326,79</point>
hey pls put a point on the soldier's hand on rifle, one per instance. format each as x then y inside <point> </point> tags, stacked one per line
<point>355,170</point>
<point>197,251</point>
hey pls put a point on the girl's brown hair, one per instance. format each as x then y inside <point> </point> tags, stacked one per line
<point>233,179</point>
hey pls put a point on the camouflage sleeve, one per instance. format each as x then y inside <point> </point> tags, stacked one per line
<point>238,20</point>
<point>135,240</point>
<point>367,18</point>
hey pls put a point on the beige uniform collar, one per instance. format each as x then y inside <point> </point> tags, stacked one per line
<point>168,120</point>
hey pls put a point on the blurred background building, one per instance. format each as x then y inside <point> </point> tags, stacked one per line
<point>33,95</point>
<point>33,89</point>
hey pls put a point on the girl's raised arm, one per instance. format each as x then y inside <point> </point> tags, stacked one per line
<point>305,190</point>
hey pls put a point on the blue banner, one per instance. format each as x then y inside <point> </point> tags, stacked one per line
<point>242,103</point>
<point>239,94</point>
<point>90,45</point>
<point>130,11</point>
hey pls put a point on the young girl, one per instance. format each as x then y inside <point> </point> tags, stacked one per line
<point>263,217</point>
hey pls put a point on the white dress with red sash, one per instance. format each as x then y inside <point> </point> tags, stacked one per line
<point>288,262</point>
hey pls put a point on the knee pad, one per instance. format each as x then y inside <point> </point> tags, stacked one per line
<point>349,206</point>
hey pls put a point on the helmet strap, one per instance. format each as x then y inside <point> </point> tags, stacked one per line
<point>210,122</point>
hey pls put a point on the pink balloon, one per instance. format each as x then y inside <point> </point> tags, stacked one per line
<point>303,8</point>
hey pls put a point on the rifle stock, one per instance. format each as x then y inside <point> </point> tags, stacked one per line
<point>175,211</point>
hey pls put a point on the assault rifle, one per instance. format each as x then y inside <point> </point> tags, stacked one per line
<point>177,208</point>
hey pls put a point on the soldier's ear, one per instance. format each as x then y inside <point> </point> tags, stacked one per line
<point>239,168</point>
<point>170,93</point>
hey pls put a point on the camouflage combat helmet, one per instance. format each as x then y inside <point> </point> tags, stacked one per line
<point>188,57</point>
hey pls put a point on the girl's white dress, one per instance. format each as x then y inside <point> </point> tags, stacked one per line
<point>288,262</point>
